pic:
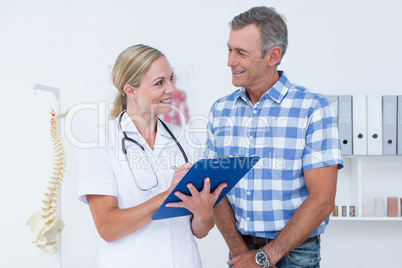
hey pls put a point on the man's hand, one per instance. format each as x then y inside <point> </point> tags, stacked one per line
<point>244,260</point>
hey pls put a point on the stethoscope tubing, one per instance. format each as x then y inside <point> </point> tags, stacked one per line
<point>142,147</point>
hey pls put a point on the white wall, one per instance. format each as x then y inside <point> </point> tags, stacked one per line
<point>335,47</point>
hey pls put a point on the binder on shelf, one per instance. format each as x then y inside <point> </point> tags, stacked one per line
<point>399,130</point>
<point>359,124</point>
<point>333,101</point>
<point>345,123</point>
<point>389,124</point>
<point>374,124</point>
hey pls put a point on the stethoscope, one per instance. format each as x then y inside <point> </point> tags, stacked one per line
<point>123,146</point>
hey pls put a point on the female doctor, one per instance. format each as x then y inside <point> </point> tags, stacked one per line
<point>130,172</point>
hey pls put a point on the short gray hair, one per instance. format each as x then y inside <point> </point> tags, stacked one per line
<point>273,28</point>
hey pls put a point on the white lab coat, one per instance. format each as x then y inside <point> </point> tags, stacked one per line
<point>105,171</point>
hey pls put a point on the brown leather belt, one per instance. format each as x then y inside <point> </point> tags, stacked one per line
<point>258,242</point>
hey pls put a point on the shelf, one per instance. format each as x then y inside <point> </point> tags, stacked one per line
<point>366,219</point>
<point>363,179</point>
<point>370,156</point>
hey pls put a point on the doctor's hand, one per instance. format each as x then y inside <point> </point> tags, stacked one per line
<point>179,173</point>
<point>199,203</point>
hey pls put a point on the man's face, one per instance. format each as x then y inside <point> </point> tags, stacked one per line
<point>245,59</point>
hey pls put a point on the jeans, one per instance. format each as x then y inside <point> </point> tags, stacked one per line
<point>306,256</point>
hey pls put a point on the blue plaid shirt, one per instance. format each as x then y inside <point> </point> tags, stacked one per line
<point>292,130</point>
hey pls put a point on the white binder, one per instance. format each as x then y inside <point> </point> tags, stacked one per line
<point>345,123</point>
<point>389,124</point>
<point>374,124</point>
<point>360,124</point>
<point>399,131</point>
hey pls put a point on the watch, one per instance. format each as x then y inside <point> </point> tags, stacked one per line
<point>262,259</point>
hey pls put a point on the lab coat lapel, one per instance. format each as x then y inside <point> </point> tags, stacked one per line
<point>163,139</point>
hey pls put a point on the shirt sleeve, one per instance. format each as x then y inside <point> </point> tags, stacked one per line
<point>322,147</point>
<point>96,174</point>
<point>210,148</point>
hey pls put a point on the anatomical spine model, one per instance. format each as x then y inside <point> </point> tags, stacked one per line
<point>45,224</point>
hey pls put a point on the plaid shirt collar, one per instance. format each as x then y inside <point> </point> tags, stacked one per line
<point>277,92</point>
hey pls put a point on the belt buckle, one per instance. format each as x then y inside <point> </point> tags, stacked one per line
<point>254,240</point>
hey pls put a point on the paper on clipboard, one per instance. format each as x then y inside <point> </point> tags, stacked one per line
<point>223,169</point>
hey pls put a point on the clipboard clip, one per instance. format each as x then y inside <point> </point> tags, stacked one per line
<point>224,156</point>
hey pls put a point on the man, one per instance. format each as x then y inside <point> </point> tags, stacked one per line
<point>276,213</point>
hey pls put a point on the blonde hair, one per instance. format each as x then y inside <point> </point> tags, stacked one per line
<point>130,67</point>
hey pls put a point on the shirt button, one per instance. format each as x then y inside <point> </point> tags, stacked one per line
<point>248,218</point>
<point>248,193</point>
<point>255,111</point>
<point>251,137</point>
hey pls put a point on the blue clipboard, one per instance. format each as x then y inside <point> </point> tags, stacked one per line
<point>223,169</point>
